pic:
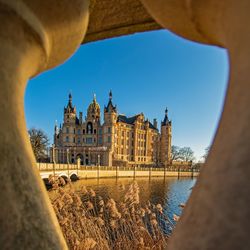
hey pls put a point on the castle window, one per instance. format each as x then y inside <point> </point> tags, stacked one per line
<point>74,130</point>
<point>89,128</point>
<point>109,130</point>
<point>74,139</point>
<point>83,140</point>
<point>94,131</point>
<point>100,140</point>
<point>78,140</point>
<point>83,131</point>
<point>78,131</point>
<point>67,130</point>
<point>89,140</point>
<point>109,138</point>
<point>100,131</point>
<point>67,139</point>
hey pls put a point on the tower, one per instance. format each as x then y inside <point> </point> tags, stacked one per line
<point>110,118</point>
<point>166,140</point>
<point>110,111</point>
<point>69,111</point>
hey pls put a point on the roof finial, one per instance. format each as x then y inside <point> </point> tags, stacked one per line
<point>70,96</point>
<point>166,111</point>
<point>94,97</point>
<point>110,95</point>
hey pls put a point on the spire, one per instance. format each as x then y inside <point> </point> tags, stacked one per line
<point>110,95</point>
<point>110,107</point>
<point>166,120</point>
<point>94,98</point>
<point>69,107</point>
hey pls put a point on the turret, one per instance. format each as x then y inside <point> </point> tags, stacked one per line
<point>110,111</point>
<point>110,118</point>
<point>166,140</point>
<point>166,120</point>
<point>69,111</point>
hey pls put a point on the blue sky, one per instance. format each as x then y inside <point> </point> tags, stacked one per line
<point>147,72</point>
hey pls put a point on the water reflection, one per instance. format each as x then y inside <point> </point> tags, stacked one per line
<point>170,192</point>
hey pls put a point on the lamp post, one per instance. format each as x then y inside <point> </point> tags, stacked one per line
<point>98,160</point>
<point>67,150</point>
<point>53,159</point>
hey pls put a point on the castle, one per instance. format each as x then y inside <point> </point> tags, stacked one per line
<point>118,141</point>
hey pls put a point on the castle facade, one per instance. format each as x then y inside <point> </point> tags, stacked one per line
<point>118,141</point>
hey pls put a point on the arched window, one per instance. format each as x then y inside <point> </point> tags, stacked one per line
<point>89,128</point>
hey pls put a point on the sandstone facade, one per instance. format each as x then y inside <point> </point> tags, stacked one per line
<point>118,141</point>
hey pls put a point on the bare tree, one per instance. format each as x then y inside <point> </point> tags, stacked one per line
<point>39,142</point>
<point>175,153</point>
<point>183,154</point>
<point>186,154</point>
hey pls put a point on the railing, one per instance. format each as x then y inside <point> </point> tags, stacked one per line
<point>63,166</point>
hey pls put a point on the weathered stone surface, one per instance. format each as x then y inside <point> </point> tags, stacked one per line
<point>33,38</point>
<point>112,18</point>
<point>216,214</point>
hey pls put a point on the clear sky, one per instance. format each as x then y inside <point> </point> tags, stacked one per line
<point>146,72</point>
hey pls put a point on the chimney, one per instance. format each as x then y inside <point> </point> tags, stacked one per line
<point>80,117</point>
<point>155,123</point>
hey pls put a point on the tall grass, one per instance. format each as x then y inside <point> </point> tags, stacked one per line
<point>90,222</point>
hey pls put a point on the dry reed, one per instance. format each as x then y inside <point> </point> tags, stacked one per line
<point>90,222</point>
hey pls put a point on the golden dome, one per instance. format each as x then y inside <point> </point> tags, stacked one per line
<point>94,108</point>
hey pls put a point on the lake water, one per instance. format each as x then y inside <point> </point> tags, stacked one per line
<point>170,192</point>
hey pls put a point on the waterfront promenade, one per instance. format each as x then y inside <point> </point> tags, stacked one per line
<point>87,172</point>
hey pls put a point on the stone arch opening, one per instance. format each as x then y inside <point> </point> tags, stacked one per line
<point>74,177</point>
<point>80,156</point>
<point>221,23</point>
